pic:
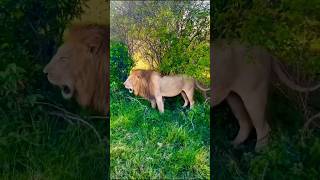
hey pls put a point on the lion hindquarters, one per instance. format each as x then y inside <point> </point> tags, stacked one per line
<point>189,93</point>
<point>185,98</point>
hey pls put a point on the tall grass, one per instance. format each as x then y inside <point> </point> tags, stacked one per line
<point>291,154</point>
<point>146,144</point>
<point>34,144</point>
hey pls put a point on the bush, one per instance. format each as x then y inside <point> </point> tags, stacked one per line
<point>35,144</point>
<point>120,63</point>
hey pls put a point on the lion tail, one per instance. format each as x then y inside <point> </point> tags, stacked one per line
<point>204,89</point>
<point>291,84</point>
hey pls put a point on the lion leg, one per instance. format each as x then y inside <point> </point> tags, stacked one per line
<point>185,98</point>
<point>160,105</point>
<point>255,103</point>
<point>239,111</point>
<point>190,96</point>
<point>153,103</point>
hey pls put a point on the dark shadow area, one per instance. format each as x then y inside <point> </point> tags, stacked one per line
<point>42,135</point>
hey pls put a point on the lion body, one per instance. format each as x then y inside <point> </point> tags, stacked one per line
<point>241,75</point>
<point>153,87</point>
<point>79,67</point>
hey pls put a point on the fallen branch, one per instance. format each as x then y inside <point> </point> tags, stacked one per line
<point>306,124</point>
<point>68,116</point>
<point>56,107</point>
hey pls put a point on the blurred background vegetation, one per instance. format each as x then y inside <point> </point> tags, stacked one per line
<point>34,142</point>
<point>171,37</point>
<point>289,29</point>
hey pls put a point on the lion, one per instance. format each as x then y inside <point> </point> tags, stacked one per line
<point>152,86</point>
<point>79,66</point>
<point>241,76</point>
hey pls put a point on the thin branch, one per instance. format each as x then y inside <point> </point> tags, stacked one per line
<point>307,123</point>
<point>68,116</point>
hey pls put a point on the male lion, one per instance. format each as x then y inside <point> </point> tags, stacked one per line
<point>152,86</point>
<point>79,66</point>
<point>241,75</point>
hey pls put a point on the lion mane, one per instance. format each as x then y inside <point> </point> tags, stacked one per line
<point>84,74</point>
<point>142,84</point>
<point>96,37</point>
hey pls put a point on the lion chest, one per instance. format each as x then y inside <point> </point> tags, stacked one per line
<point>171,86</point>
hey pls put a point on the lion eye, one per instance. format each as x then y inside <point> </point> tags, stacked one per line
<point>63,58</point>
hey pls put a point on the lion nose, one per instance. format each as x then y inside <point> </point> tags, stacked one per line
<point>45,70</point>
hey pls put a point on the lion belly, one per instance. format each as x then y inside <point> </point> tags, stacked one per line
<point>171,85</point>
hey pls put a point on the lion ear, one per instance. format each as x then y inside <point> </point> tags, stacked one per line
<point>93,44</point>
<point>92,49</point>
<point>94,40</point>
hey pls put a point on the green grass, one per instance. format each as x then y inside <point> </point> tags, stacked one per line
<point>291,154</point>
<point>146,144</point>
<point>36,145</point>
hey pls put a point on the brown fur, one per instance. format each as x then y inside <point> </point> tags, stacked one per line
<point>152,86</point>
<point>83,70</point>
<point>241,75</point>
<point>141,81</point>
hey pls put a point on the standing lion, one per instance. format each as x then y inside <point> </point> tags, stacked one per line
<point>153,87</point>
<point>241,75</point>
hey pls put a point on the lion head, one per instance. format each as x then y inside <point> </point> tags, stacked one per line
<point>78,67</point>
<point>139,82</point>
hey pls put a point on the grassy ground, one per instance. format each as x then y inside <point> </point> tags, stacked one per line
<point>292,153</point>
<point>37,145</point>
<point>146,144</point>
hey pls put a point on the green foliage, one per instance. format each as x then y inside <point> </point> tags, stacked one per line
<point>31,30</point>
<point>289,29</point>
<point>146,144</point>
<point>194,61</point>
<point>172,36</point>
<point>34,144</point>
<point>120,62</point>
<point>291,154</point>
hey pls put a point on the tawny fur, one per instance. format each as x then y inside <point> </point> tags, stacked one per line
<point>241,75</point>
<point>80,64</point>
<point>153,87</point>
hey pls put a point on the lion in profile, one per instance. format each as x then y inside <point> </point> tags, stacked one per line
<point>241,75</point>
<point>79,66</point>
<point>153,87</point>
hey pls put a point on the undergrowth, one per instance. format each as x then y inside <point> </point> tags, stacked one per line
<point>35,144</point>
<point>146,144</point>
<point>291,154</point>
